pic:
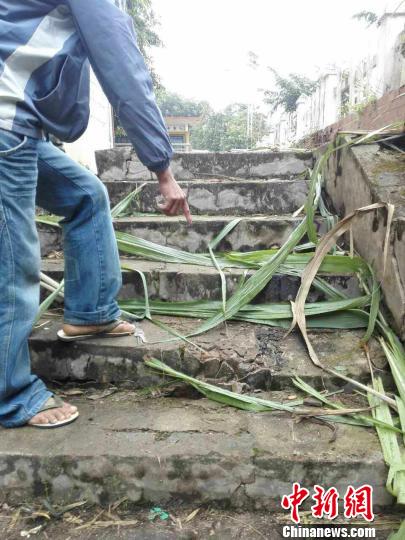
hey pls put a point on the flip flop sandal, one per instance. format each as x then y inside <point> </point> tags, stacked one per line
<point>55,402</point>
<point>105,331</point>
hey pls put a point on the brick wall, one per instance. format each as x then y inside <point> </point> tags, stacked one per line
<point>387,110</point>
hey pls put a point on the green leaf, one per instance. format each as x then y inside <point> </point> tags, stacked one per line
<point>255,283</point>
<point>46,304</point>
<point>389,442</point>
<point>375,306</point>
<point>121,208</point>
<point>145,288</point>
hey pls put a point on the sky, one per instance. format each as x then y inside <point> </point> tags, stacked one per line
<point>207,43</point>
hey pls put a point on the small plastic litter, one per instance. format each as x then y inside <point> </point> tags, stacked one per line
<point>156,513</point>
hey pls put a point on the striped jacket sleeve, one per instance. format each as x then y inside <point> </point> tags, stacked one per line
<point>109,38</point>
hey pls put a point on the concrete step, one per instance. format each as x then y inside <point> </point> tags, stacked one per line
<point>122,164</point>
<point>182,282</point>
<point>256,355</point>
<point>252,233</point>
<point>222,197</point>
<point>156,450</point>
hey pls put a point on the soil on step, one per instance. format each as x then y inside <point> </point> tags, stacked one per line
<point>174,522</point>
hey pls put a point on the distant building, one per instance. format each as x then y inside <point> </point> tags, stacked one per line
<point>179,128</point>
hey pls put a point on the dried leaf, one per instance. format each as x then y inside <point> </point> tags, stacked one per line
<point>102,395</point>
<point>192,515</point>
<point>35,530</point>
<point>114,523</point>
<point>324,246</point>
<point>72,392</point>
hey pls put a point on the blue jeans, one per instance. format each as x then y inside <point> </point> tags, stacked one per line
<point>35,172</point>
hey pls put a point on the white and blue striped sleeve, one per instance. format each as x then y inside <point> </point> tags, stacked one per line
<point>109,38</point>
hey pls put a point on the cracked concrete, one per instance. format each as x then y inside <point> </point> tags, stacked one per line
<point>221,197</point>
<point>242,348</point>
<point>252,233</point>
<point>156,449</point>
<point>186,282</point>
<point>122,163</point>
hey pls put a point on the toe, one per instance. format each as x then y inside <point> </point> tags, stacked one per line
<point>69,409</point>
<point>125,327</point>
<point>38,419</point>
<point>60,415</point>
<point>54,416</point>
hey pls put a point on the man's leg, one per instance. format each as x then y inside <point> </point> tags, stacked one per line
<point>92,268</point>
<point>22,394</point>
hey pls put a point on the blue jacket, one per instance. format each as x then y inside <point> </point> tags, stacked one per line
<point>46,47</point>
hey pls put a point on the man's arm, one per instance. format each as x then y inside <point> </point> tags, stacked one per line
<point>110,41</point>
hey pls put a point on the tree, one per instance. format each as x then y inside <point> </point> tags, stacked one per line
<point>172,104</point>
<point>227,130</point>
<point>368,16</point>
<point>289,90</point>
<point>146,24</point>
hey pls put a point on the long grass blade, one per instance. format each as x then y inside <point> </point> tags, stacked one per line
<point>145,288</point>
<point>369,421</point>
<point>47,303</point>
<point>211,246</point>
<point>255,283</point>
<point>375,306</point>
<point>389,442</point>
<point>400,534</point>
<point>120,209</point>
<point>225,231</point>
<point>254,404</point>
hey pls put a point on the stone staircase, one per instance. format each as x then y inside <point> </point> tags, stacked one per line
<point>156,444</point>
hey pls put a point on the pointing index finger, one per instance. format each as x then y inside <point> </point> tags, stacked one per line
<point>187,212</point>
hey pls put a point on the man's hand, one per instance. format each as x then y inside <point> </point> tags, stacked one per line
<point>176,201</point>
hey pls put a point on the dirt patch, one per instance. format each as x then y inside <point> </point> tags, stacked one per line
<point>176,522</point>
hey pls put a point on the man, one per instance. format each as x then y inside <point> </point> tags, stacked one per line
<point>46,47</point>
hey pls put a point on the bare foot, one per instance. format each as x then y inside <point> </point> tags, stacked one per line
<point>71,330</point>
<point>52,416</point>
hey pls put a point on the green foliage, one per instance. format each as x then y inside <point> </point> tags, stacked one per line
<point>358,108</point>
<point>289,90</point>
<point>227,130</point>
<point>367,16</point>
<point>172,104</point>
<point>145,23</point>
<point>119,131</point>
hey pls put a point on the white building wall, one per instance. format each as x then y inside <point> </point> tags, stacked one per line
<point>345,90</point>
<point>100,132</point>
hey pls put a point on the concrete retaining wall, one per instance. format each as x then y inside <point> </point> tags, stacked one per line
<point>363,175</point>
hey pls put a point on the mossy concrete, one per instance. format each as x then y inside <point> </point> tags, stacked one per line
<point>230,354</point>
<point>221,197</point>
<point>252,233</point>
<point>183,282</point>
<point>157,450</point>
<point>122,164</point>
<point>363,175</point>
